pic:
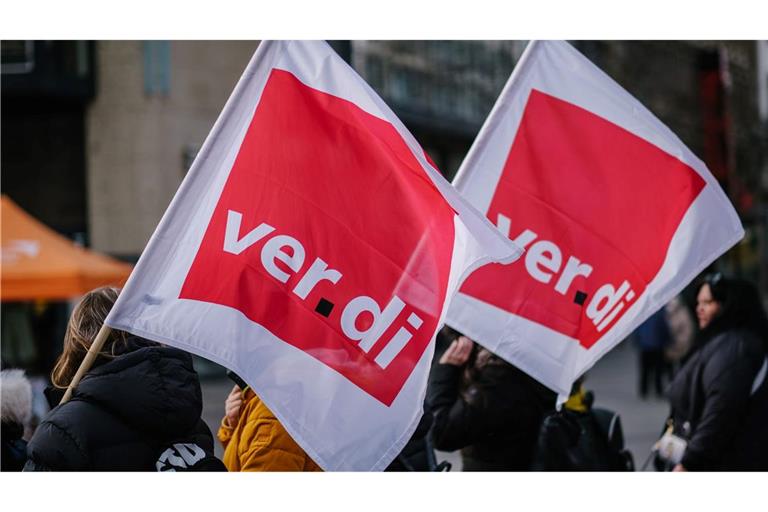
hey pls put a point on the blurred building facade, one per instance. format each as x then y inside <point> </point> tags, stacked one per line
<point>155,103</point>
<point>442,90</point>
<point>97,136</point>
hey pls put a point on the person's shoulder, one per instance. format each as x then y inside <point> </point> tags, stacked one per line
<point>63,415</point>
<point>498,381</point>
<point>751,341</point>
<point>255,409</point>
<point>735,342</point>
<point>56,443</point>
<point>75,416</point>
<point>500,371</point>
<point>55,428</point>
<point>730,351</point>
<point>135,349</point>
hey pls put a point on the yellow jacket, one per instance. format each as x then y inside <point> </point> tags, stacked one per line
<point>259,442</point>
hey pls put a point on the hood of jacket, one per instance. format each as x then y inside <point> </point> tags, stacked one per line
<point>15,397</point>
<point>151,387</point>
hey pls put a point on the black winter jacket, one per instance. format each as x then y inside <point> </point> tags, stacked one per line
<point>137,412</point>
<point>14,447</point>
<point>713,409</point>
<point>495,421</point>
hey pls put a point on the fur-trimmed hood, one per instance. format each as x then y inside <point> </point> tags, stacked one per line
<point>15,397</point>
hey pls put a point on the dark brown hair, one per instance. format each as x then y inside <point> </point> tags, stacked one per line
<point>84,324</point>
<point>740,307</point>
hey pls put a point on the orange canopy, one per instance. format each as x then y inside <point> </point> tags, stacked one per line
<point>38,263</point>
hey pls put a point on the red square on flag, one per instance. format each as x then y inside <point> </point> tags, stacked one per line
<point>329,234</point>
<point>595,207</point>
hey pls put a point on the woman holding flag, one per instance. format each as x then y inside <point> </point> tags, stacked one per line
<point>137,409</point>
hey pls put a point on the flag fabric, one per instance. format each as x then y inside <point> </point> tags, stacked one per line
<point>615,213</point>
<point>313,250</point>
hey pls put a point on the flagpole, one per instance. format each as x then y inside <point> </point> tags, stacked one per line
<point>90,357</point>
<point>475,148</point>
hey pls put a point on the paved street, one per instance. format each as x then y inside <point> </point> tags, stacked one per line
<point>613,381</point>
<point>215,391</point>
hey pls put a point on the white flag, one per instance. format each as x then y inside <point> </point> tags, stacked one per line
<point>313,250</point>
<point>615,213</point>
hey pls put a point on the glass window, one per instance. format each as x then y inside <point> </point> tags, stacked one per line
<point>157,67</point>
<point>446,81</point>
<point>762,79</point>
<point>17,57</point>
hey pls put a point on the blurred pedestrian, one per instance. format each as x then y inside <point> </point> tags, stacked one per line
<point>682,328</point>
<point>652,337</point>
<point>486,407</point>
<point>719,398</point>
<point>15,412</point>
<point>137,409</point>
<point>253,438</point>
<point>580,437</point>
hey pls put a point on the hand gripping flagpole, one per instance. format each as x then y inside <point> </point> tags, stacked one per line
<point>90,357</point>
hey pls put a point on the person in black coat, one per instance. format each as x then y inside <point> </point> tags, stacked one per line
<point>719,403</point>
<point>486,407</point>
<point>137,409</point>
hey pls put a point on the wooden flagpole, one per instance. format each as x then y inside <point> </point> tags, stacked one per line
<point>90,357</point>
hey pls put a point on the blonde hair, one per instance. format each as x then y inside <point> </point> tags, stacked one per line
<point>84,324</point>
